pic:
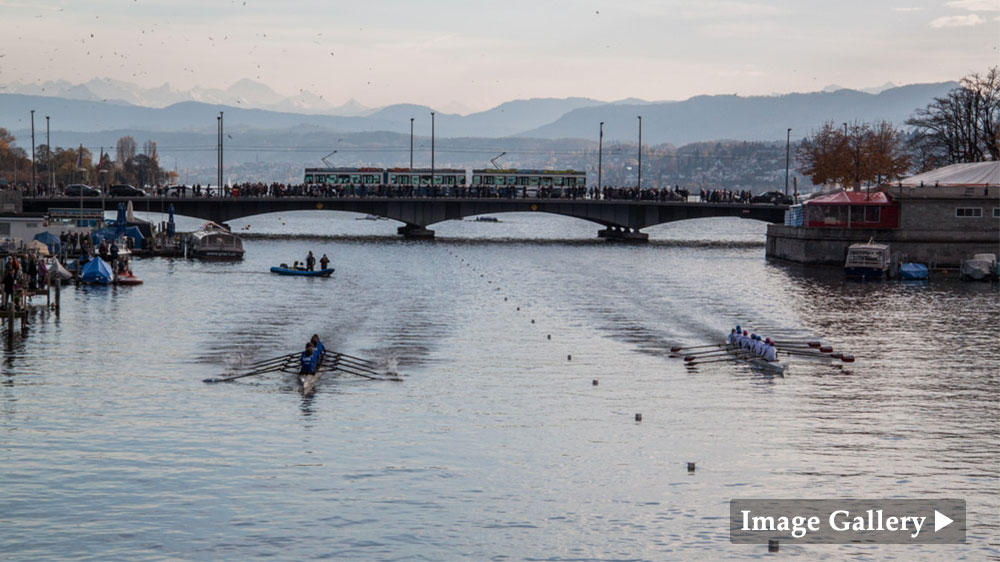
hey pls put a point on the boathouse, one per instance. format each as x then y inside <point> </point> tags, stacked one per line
<point>939,218</point>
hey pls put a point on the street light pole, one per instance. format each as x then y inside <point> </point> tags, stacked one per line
<point>221,143</point>
<point>788,146</point>
<point>432,152</point>
<point>640,153</point>
<point>600,159</point>
<point>32,149</point>
<point>48,156</point>
<point>411,143</point>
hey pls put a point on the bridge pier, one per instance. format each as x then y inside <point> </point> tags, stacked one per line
<point>415,232</point>
<point>623,234</point>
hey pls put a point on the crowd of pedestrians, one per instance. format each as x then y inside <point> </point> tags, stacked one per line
<point>21,272</point>
<point>277,189</point>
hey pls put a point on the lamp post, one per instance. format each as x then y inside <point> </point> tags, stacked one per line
<point>48,156</point>
<point>432,152</point>
<point>788,146</point>
<point>600,159</point>
<point>221,143</point>
<point>639,183</point>
<point>32,149</point>
<point>411,143</point>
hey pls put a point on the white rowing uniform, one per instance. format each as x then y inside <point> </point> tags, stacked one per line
<point>771,354</point>
<point>732,338</point>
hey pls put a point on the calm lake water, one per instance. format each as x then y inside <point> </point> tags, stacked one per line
<point>495,445</point>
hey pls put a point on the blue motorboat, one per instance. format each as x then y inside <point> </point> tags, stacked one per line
<point>285,270</point>
<point>913,271</point>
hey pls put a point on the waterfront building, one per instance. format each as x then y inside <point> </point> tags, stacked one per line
<point>940,218</point>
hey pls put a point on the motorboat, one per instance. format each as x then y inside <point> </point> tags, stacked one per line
<point>981,267</point>
<point>867,261</point>
<point>215,242</point>
<point>913,271</point>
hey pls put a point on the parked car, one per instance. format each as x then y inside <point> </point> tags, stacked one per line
<point>80,190</point>
<point>124,190</point>
<point>772,197</point>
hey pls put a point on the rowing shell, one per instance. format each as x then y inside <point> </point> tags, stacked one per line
<point>776,367</point>
<point>308,381</point>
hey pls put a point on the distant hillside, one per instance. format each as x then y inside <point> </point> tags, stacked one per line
<point>704,118</point>
<point>701,118</point>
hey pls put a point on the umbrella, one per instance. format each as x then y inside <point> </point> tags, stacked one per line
<point>170,222</point>
<point>120,221</point>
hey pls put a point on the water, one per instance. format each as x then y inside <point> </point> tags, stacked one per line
<point>495,446</point>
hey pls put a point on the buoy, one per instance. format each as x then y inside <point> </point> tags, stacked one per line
<point>532,320</point>
<point>595,382</point>
<point>519,308</point>
<point>638,417</point>
<point>569,357</point>
<point>772,545</point>
<point>690,467</point>
<point>550,336</point>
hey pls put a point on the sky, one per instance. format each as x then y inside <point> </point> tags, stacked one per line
<point>480,54</point>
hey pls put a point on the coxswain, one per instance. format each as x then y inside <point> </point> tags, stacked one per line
<point>307,361</point>
<point>324,261</point>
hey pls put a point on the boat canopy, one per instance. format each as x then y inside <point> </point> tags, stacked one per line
<point>852,198</point>
<point>50,240</point>
<point>96,271</point>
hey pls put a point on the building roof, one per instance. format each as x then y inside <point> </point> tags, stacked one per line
<point>976,174</point>
<point>851,198</point>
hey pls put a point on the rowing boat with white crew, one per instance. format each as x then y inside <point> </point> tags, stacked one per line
<point>757,351</point>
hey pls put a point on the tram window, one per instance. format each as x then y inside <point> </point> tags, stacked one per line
<point>425,180</point>
<point>355,178</point>
<point>557,181</point>
<point>489,180</point>
<point>546,182</point>
<point>392,178</point>
<point>476,180</point>
<point>344,179</point>
<point>309,179</point>
<point>533,181</point>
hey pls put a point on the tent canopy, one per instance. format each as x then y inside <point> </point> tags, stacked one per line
<point>851,198</point>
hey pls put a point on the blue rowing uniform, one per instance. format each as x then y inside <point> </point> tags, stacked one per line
<point>307,363</point>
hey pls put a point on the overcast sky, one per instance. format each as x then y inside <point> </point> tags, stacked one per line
<point>483,53</point>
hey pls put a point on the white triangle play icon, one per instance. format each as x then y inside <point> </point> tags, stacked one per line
<point>941,521</point>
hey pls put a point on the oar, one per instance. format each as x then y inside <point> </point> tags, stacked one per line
<point>813,344</point>
<point>358,366</point>
<point>363,375</point>
<point>733,358</point>
<point>675,349</point>
<point>695,353</point>
<point>260,371</point>
<point>269,361</point>
<point>717,354</point>
<point>358,359</point>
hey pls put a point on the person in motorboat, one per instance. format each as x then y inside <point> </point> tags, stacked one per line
<point>324,262</point>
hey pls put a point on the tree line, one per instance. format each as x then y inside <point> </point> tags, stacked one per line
<point>57,166</point>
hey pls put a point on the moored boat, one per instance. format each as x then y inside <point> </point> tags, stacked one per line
<point>96,272</point>
<point>867,261</point>
<point>285,270</point>
<point>980,268</point>
<point>913,271</point>
<point>127,278</point>
<point>215,242</point>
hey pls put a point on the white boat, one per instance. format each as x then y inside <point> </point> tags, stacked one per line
<point>867,261</point>
<point>775,367</point>
<point>215,242</point>
<point>980,267</point>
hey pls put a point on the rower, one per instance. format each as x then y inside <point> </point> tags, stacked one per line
<point>770,352</point>
<point>318,345</point>
<point>732,337</point>
<point>307,361</point>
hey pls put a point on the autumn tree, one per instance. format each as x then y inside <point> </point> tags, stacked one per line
<point>962,126</point>
<point>859,154</point>
<point>124,154</point>
<point>15,166</point>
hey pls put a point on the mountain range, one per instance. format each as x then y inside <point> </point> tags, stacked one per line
<point>698,119</point>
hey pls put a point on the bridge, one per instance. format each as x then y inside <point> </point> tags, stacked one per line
<point>621,219</point>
